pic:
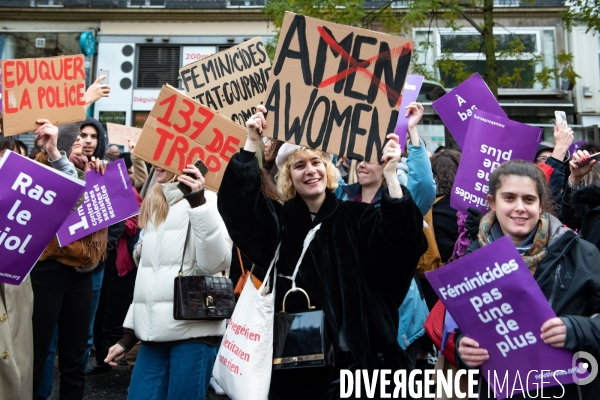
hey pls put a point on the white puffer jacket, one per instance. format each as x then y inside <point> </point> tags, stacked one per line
<point>208,252</point>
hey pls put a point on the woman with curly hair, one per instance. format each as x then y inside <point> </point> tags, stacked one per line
<point>357,269</point>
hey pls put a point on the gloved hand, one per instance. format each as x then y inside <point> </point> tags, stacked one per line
<point>472,222</point>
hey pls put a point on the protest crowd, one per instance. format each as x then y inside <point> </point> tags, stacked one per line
<point>347,246</point>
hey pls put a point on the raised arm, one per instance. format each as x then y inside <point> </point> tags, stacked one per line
<point>250,217</point>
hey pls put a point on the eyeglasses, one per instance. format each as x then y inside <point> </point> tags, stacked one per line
<point>83,135</point>
<point>541,159</point>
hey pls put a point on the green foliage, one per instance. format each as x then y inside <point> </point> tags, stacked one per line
<point>347,12</point>
<point>586,12</point>
<point>512,59</point>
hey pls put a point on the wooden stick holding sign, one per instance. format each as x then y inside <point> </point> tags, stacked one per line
<point>180,130</point>
<point>42,88</point>
<point>335,88</point>
<point>232,81</point>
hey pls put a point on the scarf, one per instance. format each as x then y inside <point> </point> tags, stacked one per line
<point>463,242</point>
<point>534,254</point>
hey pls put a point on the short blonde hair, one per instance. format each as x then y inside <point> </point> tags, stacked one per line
<point>285,187</point>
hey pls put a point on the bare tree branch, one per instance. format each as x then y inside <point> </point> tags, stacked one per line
<point>471,21</point>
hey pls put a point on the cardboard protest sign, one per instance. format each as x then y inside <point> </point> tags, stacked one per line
<point>491,140</point>
<point>34,202</point>
<point>232,81</point>
<point>119,134</point>
<point>179,130</point>
<point>412,87</point>
<point>456,107</point>
<point>335,88</point>
<point>42,88</point>
<point>490,293</point>
<point>109,199</point>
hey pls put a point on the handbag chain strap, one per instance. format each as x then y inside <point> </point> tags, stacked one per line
<point>187,235</point>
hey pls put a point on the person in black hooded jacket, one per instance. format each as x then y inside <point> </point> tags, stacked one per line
<point>357,269</point>
<point>565,267</point>
<point>581,202</point>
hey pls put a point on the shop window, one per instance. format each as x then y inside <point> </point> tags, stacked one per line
<point>466,46</point>
<point>139,118</point>
<point>38,44</point>
<point>158,65</point>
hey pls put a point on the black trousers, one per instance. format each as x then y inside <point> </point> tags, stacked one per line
<point>64,296</point>
<point>115,297</point>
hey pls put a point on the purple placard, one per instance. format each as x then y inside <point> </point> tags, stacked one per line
<point>456,107</point>
<point>412,87</point>
<point>575,146</point>
<point>109,199</point>
<point>34,202</point>
<point>490,294</point>
<point>491,140</point>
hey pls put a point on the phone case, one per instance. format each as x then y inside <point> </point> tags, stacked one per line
<point>589,160</point>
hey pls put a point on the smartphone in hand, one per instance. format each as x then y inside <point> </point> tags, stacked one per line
<point>560,117</point>
<point>104,72</point>
<point>586,162</point>
<point>185,189</point>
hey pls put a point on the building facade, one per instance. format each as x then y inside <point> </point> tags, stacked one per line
<point>143,43</point>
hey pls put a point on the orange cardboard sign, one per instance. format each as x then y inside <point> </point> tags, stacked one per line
<point>119,134</point>
<point>42,88</point>
<point>179,130</point>
<point>232,81</point>
<point>335,88</point>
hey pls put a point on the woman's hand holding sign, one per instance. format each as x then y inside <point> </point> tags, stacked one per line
<point>390,159</point>
<point>470,353</point>
<point>554,332</point>
<point>254,127</point>
<point>48,136</point>
<point>98,165</point>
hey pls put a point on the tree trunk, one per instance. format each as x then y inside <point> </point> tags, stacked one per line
<point>489,46</point>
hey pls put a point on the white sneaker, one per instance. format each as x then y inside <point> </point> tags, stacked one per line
<point>218,390</point>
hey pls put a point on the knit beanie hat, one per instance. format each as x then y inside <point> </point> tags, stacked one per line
<point>66,137</point>
<point>543,146</point>
<point>288,148</point>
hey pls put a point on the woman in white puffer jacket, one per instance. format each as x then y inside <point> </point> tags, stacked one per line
<point>176,357</point>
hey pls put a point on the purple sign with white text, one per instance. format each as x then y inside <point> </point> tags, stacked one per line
<point>490,293</point>
<point>109,199</point>
<point>412,87</point>
<point>575,146</point>
<point>34,202</point>
<point>456,107</point>
<point>491,140</point>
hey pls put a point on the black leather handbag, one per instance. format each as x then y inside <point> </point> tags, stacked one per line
<point>202,297</point>
<point>300,339</point>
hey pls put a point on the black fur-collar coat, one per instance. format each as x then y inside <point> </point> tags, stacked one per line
<point>357,269</point>
<point>581,210</point>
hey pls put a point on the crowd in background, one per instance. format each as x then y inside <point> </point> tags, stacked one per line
<point>381,226</point>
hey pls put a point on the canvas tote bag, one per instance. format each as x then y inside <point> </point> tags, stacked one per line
<point>243,364</point>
